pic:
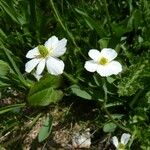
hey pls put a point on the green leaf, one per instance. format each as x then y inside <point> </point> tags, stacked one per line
<point>46,82</point>
<point>81,93</point>
<point>118,30</point>
<point>2,84</point>
<point>45,97</point>
<point>148,97</point>
<point>2,34</point>
<point>93,24</point>
<point>44,92</point>
<point>135,20</point>
<point>110,79</point>
<point>4,68</point>
<point>103,42</point>
<point>45,129</point>
<point>10,108</point>
<point>10,10</point>
<point>133,81</point>
<point>109,127</point>
<point>15,68</point>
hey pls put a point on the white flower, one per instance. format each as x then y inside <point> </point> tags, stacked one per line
<point>124,140</point>
<point>103,62</point>
<point>46,55</point>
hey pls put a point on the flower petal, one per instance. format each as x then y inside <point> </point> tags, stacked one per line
<point>109,53</point>
<point>51,43</point>
<point>30,65</point>
<point>125,138</point>
<point>115,141</point>
<point>40,67</point>
<point>90,66</point>
<point>33,53</point>
<point>60,48</point>
<point>94,54</point>
<point>114,67</point>
<point>38,77</point>
<point>103,71</point>
<point>55,66</point>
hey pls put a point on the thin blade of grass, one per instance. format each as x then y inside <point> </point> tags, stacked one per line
<point>10,108</point>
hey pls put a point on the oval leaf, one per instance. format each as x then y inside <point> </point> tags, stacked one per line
<point>46,82</point>
<point>45,97</point>
<point>44,92</point>
<point>109,127</point>
<point>45,129</point>
<point>81,93</point>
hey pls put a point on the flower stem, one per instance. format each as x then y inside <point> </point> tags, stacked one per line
<point>107,112</point>
<point>70,78</point>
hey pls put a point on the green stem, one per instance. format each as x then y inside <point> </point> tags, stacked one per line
<point>107,112</point>
<point>70,78</point>
<point>108,16</point>
<point>61,23</point>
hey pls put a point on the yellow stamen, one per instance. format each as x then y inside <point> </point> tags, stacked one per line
<point>121,146</point>
<point>103,61</point>
<point>43,50</point>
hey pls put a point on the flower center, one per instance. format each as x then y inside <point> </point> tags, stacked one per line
<point>43,50</point>
<point>103,61</point>
<point>121,146</point>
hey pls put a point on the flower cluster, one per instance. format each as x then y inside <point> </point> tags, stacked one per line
<point>47,55</point>
<point>101,62</point>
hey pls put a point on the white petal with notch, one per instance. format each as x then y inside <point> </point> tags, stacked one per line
<point>55,66</point>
